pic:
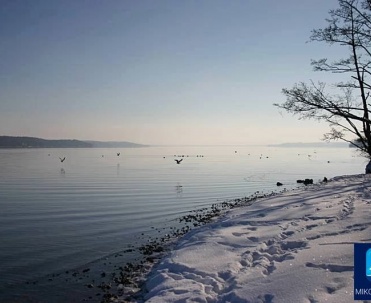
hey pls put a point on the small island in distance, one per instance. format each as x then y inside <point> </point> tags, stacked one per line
<point>312,144</point>
<point>32,142</point>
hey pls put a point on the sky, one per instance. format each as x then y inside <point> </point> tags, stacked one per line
<point>166,72</point>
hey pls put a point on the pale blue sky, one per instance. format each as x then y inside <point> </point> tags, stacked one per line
<point>158,72</point>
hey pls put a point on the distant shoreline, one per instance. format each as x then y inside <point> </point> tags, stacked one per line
<point>8,142</point>
<point>312,145</point>
<point>20,142</point>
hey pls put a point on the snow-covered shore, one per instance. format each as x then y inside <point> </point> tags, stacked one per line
<point>293,247</point>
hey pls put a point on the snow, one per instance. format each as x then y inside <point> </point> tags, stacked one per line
<point>292,247</point>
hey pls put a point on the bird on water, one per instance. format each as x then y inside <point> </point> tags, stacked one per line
<point>62,159</point>
<point>178,161</point>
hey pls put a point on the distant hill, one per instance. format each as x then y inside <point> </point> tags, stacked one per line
<point>31,142</point>
<point>312,144</point>
<point>115,144</point>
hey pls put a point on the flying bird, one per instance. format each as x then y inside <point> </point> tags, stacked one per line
<point>62,159</point>
<point>178,161</point>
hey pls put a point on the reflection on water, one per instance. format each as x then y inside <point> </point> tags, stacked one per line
<point>179,189</point>
<point>63,171</point>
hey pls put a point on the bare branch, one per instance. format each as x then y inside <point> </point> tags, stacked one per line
<point>349,112</point>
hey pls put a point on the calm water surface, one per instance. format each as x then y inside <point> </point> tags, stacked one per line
<point>58,216</point>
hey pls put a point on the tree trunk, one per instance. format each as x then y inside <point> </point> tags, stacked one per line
<point>368,168</point>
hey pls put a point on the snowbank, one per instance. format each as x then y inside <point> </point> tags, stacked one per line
<point>294,247</point>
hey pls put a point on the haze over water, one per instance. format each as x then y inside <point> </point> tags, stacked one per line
<point>59,216</point>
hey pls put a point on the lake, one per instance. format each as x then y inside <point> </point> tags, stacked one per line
<point>60,216</point>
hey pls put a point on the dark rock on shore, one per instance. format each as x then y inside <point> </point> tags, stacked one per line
<point>305,181</point>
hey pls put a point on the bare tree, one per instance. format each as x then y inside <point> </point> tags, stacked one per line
<point>347,111</point>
